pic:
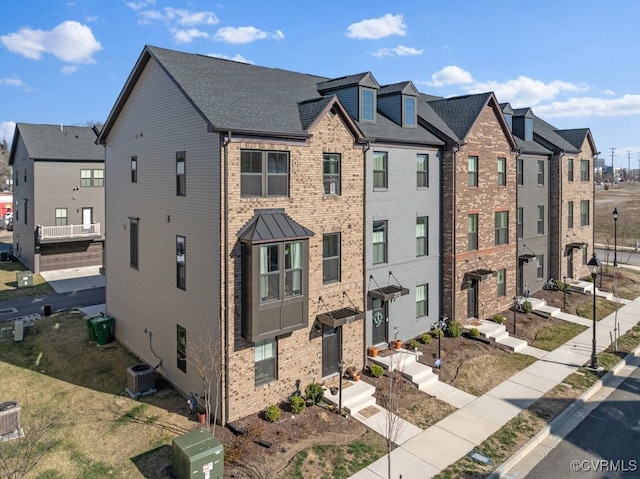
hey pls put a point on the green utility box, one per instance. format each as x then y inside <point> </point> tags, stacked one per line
<point>102,329</point>
<point>197,455</point>
<point>24,279</point>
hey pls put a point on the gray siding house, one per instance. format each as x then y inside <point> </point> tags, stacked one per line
<point>58,196</point>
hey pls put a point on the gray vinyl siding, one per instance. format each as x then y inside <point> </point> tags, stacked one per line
<point>156,122</point>
<point>391,106</point>
<point>530,196</point>
<point>350,100</point>
<point>400,205</point>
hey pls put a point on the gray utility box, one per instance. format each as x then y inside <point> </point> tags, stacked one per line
<point>197,455</point>
<point>24,279</point>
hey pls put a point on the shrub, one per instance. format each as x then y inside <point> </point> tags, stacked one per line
<point>527,307</point>
<point>426,338</point>
<point>315,392</point>
<point>498,318</point>
<point>297,404</point>
<point>376,370</point>
<point>454,329</point>
<point>437,333</point>
<point>474,333</point>
<point>413,344</point>
<point>272,413</point>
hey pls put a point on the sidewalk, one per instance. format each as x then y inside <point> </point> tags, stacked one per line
<point>430,451</point>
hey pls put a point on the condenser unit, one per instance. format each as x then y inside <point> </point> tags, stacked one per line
<point>9,417</point>
<point>141,380</point>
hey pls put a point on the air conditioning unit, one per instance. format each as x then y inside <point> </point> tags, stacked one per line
<point>9,417</point>
<point>141,380</point>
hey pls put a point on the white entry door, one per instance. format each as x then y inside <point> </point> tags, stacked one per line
<point>87,217</point>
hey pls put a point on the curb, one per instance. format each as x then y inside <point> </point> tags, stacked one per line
<point>556,422</point>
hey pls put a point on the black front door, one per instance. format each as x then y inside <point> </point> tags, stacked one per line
<point>380,333</point>
<point>570,264</point>
<point>472,299</point>
<point>330,350</point>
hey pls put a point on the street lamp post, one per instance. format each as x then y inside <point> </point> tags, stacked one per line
<point>441,325</point>
<point>594,266</point>
<point>615,237</point>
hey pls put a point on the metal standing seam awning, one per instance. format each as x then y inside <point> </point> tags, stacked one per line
<point>340,317</point>
<point>525,258</point>
<point>388,293</point>
<point>575,245</point>
<point>480,274</point>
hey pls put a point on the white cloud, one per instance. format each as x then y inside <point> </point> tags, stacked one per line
<point>608,92</point>
<point>591,106</point>
<point>70,42</point>
<point>69,69</point>
<point>140,5</point>
<point>92,19</point>
<point>6,131</point>
<point>235,58</point>
<point>239,35</point>
<point>524,91</point>
<point>374,28</point>
<point>187,36</point>
<point>450,75</point>
<point>169,15</point>
<point>399,51</point>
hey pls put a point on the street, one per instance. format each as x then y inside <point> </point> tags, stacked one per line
<point>624,257</point>
<point>606,444</point>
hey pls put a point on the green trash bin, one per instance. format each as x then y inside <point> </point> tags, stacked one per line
<point>88,320</point>
<point>102,328</point>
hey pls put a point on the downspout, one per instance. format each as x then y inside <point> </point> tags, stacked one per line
<point>365,149</point>
<point>455,150</point>
<point>560,220</point>
<point>225,145</point>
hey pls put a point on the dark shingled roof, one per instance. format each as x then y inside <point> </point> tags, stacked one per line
<point>431,118</point>
<point>460,112</point>
<point>385,129</point>
<point>405,87</point>
<point>575,137</point>
<point>58,142</point>
<point>548,136</point>
<point>349,80</point>
<point>272,225</point>
<point>531,147</point>
<point>309,110</point>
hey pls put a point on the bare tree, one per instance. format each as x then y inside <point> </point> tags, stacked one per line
<point>394,425</point>
<point>19,456</point>
<point>204,354</point>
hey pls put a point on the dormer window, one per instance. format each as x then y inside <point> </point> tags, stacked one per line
<point>409,111</point>
<point>509,119</point>
<point>367,104</point>
<point>528,129</point>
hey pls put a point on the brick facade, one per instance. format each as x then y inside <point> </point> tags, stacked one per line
<point>488,142</point>
<point>300,354</point>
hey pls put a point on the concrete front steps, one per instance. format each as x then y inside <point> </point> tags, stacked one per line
<point>356,395</point>
<point>498,333</point>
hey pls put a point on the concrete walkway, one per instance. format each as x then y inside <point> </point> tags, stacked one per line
<point>428,452</point>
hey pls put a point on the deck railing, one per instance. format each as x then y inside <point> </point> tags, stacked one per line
<point>69,231</point>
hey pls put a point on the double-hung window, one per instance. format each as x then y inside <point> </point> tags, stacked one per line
<point>91,178</point>
<point>520,171</point>
<point>331,173</point>
<point>134,169</point>
<point>367,104</point>
<point>330,258</point>
<point>265,361</point>
<point>473,171</point>
<point>540,220</point>
<point>181,262</point>
<point>380,171</point>
<point>379,242</point>
<point>409,111</point>
<point>85,178</point>
<point>61,216</point>
<point>422,236</point>
<point>292,269</point>
<point>133,243</point>
<point>520,222</point>
<point>422,300</point>
<point>502,227</point>
<point>269,273</point>
<point>528,129</point>
<point>501,286</point>
<point>540,266</point>
<point>264,173</point>
<point>181,174</point>
<point>570,214</point>
<point>422,170</point>
<point>570,169</point>
<point>584,170</point>
<point>472,232</point>
<point>584,213</point>
<point>502,171</point>
<point>540,172</point>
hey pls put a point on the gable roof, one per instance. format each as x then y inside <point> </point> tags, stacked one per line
<point>268,225</point>
<point>461,113</point>
<point>405,88</point>
<point>578,136</point>
<point>57,143</point>
<point>547,135</point>
<point>430,120</point>
<point>365,79</point>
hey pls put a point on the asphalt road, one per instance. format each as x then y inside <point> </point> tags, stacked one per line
<point>606,444</point>
<point>624,257</point>
<point>15,308</point>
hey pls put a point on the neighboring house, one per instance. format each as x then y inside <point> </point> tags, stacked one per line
<point>571,200</point>
<point>258,246</point>
<point>58,195</point>
<point>532,215</point>
<point>478,206</point>
<point>402,217</point>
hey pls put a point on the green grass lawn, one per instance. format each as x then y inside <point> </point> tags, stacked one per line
<point>9,288</point>
<point>603,309</point>
<point>555,335</point>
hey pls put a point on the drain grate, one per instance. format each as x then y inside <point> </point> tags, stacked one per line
<point>8,310</point>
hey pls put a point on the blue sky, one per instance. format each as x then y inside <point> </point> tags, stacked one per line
<point>575,62</point>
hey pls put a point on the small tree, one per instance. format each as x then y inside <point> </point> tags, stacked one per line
<point>394,425</point>
<point>204,354</point>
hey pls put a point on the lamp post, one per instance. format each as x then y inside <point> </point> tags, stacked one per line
<point>615,237</point>
<point>594,265</point>
<point>442,324</point>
